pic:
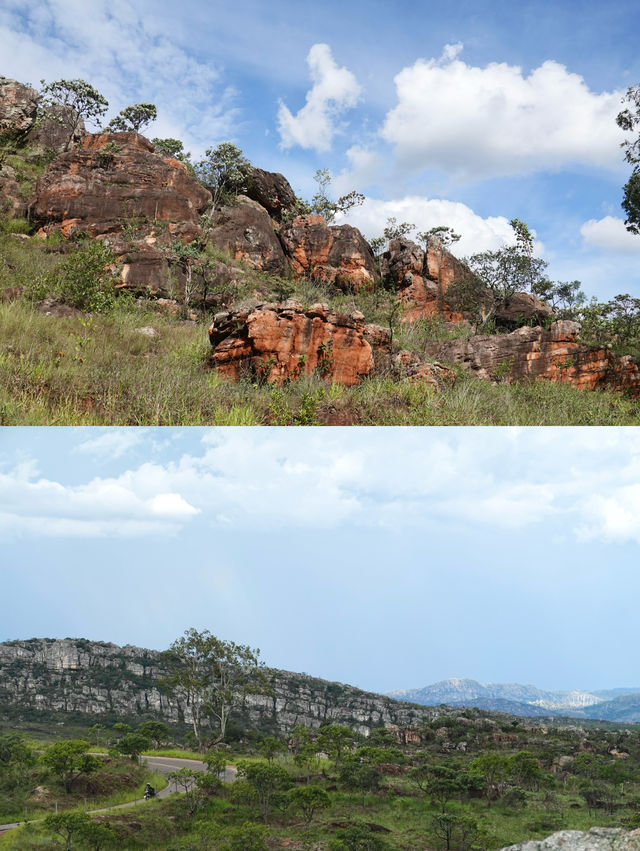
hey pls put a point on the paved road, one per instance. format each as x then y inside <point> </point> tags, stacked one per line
<point>163,765</point>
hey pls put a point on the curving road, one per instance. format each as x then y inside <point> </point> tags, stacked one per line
<point>163,765</point>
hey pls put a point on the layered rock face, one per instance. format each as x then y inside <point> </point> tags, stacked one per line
<point>106,681</point>
<point>246,231</point>
<point>112,178</point>
<point>535,353</point>
<point>280,341</point>
<point>336,254</point>
<point>596,839</point>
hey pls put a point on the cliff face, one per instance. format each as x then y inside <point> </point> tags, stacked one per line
<point>97,679</point>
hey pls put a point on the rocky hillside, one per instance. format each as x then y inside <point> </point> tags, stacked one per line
<point>47,677</point>
<point>169,242</point>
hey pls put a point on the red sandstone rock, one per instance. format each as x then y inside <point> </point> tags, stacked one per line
<point>536,353</point>
<point>337,254</point>
<point>18,108</point>
<point>521,308</point>
<point>113,178</point>
<point>279,341</point>
<point>246,231</point>
<point>414,370</point>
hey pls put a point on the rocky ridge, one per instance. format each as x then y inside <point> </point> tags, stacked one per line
<point>596,839</point>
<point>41,677</point>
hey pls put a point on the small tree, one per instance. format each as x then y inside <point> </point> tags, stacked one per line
<point>215,761</point>
<point>134,117</point>
<point>68,760</point>
<point>132,745</point>
<point>173,148</point>
<point>308,800</point>
<point>334,739</point>
<point>81,101</point>
<point>323,205</point>
<point>224,171</point>
<point>395,230</point>
<point>156,731</point>
<point>67,825</point>
<point>266,781</point>
<point>270,747</point>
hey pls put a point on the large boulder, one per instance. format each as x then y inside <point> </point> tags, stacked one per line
<point>283,341</point>
<point>112,180</point>
<point>537,353</point>
<point>52,132</point>
<point>272,191</point>
<point>521,309</point>
<point>336,254</point>
<point>18,109</point>
<point>596,839</point>
<point>246,231</point>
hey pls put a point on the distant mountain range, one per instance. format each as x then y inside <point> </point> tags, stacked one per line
<point>618,704</point>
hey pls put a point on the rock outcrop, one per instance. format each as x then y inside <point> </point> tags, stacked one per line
<point>115,178</point>
<point>336,254</point>
<point>283,341</point>
<point>535,353</point>
<point>246,231</point>
<point>422,278</point>
<point>596,839</point>
<point>44,677</point>
<point>18,109</point>
<point>520,309</point>
<point>272,191</point>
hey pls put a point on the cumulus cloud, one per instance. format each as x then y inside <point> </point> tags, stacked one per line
<point>334,90</point>
<point>477,233</point>
<point>485,122</point>
<point>507,479</point>
<point>112,443</point>
<point>609,234</point>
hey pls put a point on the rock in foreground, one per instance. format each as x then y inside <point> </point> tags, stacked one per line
<point>281,341</point>
<point>596,839</point>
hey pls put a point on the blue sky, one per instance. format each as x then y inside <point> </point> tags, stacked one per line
<point>465,114</point>
<point>386,558</point>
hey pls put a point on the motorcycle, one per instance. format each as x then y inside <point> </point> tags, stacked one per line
<point>149,792</point>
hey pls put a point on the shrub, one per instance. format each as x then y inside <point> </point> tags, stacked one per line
<point>85,278</point>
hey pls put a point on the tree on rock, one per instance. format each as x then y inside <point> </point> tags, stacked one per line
<point>225,172</point>
<point>133,118</point>
<point>81,101</point>
<point>214,676</point>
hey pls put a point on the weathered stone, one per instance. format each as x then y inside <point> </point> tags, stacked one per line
<point>12,199</point>
<point>272,191</point>
<point>596,839</point>
<point>52,132</point>
<point>421,279</point>
<point>414,370</point>
<point>18,108</point>
<point>112,179</point>
<point>520,309</point>
<point>246,231</point>
<point>535,353</point>
<point>378,337</point>
<point>336,254</point>
<point>279,341</point>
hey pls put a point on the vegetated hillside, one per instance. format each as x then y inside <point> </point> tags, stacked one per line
<point>527,700</point>
<point>460,778</point>
<point>117,253</point>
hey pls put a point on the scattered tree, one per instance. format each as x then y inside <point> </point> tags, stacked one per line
<point>225,172</point>
<point>68,760</point>
<point>214,676</point>
<point>132,745</point>
<point>155,731</point>
<point>629,119</point>
<point>80,100</point>
<point>266,781</point>
<point>134,117</point>
<point>334,739</point>
<point>308,800</point>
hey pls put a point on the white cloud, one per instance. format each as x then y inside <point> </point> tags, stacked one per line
<point>510,479</point>
<point>484,122</point>
<point>609,234</point>
<point>334,90</point>
<point>112,443</point>
<point>477,234</point>
<point>127,55</point>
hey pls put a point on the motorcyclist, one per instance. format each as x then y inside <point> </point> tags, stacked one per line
<point>149,791</point>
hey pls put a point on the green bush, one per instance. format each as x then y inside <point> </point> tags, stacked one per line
<point>85,278</point>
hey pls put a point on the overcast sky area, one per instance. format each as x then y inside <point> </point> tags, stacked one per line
<point>385,558</point>
<point>463,114</point>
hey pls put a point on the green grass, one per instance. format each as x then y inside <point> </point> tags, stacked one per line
<point>100,370</point>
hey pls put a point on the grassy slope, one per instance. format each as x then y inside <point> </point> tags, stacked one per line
<point>101,370</point>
